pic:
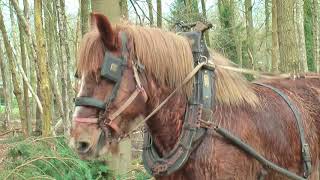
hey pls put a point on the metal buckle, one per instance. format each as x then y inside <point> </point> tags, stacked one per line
<point>159,168</point>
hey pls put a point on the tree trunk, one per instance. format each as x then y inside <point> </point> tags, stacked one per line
<point>15,78</point>
<point>52,55</point>
<point>250,33</point>
<point>288,47</point>
<point>316,34</point>
<point>25,86</point>
<point>44,84</point>
<point>5,90</point>
<point>192,9</point>
<point>159,14</point>
<point>31,47</point>
<point>204,14</point>
<point>69,67</point>
<point>13,28</point>
<point>300,35</point>
<point>101,7</point>
<point>120,162</point>
<point>124,9</point>
<point>275,40</point>
<point>84,16</point>
<point>24,66</point>
<point>64,68</point>
<point>150,8</point>
<point>267,26</point>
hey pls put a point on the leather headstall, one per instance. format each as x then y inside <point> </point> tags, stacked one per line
<point>112,69</point>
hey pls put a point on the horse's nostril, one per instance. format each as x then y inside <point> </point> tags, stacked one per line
<point>82,146</point>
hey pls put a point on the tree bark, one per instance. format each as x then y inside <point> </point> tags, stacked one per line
<point>204,14</point>
<point>70,69</point>
<point>288,47</point>
<point>316,34</point>
<point>267,29</point>
<point>44,84</point>
<point>15,78</point>
<point>250,33</point>
<point>150,8</point>
<point>84,16</point>
<point>25,24</point>
<point>300,35</point>
<point>25,86</point>
<point>159,14</point>
<point>275,41</point>
<point>5,90</point>
<point>101,7</point>
<point>124,9</point>
<point>13,33</point>
<point>64,68</point>
<point>52,55</point>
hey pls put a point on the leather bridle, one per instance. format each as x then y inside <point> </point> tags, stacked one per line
<point>112,69</point>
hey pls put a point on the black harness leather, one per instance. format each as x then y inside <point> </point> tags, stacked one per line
<point>112,69</point>
<point>199,109</point>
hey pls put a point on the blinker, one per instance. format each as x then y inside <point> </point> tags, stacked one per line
<point>112,67</point>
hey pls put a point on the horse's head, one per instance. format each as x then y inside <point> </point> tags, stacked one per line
<point>110,92</point>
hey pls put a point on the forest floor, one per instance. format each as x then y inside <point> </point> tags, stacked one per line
<point>3,150</point>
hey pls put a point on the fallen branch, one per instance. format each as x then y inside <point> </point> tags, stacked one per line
<point>12,130</point>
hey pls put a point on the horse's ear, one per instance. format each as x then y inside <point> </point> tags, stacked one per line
<point>104,27</point>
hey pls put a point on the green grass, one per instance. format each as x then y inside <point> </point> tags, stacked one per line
<point>48,158</point>
<point>51,158</point>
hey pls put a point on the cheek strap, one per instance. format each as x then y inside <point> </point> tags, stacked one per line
<point>139,89</point>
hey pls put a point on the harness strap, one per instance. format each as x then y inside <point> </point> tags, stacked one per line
<point>88,101</point>
<point>306,156</point>
<point>86,120</point>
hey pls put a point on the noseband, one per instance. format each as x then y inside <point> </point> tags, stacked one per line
<point>112,69</point>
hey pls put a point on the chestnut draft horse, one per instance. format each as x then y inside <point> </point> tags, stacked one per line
<point>255,114</point>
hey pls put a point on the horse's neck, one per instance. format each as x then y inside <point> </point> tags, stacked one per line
<point>165,126</point>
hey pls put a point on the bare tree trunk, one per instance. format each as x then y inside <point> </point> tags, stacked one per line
<point>300,35</point>
<point>275,41</point>
<point>101,7</point>
<point>150,8</point>
<point>5,89</point>
<point>70,69</point>
<point>25,86</point>
<point>44,84</point>
<point>267,25</point>
<point>13,33</point>
<point>204,14</point>
<point>316,34</point>
<point>250,33</point>
<point>50,25</point>
<point>64,67</point>
<point>84,16</point>
<point>124,9</point>
<point>159,14</point>
<point>288,47</point>
<point>15,78</point>
<point>31,47</point>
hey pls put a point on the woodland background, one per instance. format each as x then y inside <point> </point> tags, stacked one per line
<point>39,40</point>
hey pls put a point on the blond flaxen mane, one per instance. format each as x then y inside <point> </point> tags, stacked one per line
<point>169,59</point>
